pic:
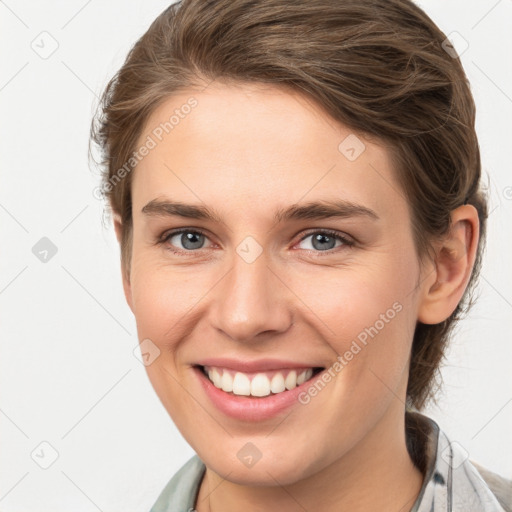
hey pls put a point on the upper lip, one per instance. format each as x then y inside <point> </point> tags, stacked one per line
<point>254,365</point>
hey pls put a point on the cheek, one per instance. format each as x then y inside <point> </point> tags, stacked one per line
<point>160,301</point>
<point>366,314</point>
<point>348,301</point>
<point>166,306</point>
<point>163,297</point>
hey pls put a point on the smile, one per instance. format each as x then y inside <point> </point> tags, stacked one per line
<point>254,390</point>
<point>258,384</point>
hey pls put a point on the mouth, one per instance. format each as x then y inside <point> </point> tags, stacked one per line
<point>258,384</point>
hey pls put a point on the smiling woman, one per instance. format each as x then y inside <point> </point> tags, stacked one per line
<point>301,226</point>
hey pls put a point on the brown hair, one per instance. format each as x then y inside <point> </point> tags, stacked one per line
<point>378,66</point>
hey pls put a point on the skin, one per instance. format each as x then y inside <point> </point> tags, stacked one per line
<point>245,151</point>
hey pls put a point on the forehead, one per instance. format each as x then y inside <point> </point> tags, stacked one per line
<point>266,143</point>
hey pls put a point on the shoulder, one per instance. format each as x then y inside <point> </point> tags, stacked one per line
<point>181,491</point>
<point>451,480</point>
<point>501,487</point>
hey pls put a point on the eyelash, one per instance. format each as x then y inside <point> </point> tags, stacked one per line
<point>346,242</point>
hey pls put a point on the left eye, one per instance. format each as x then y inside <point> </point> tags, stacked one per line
<point>325,241</point>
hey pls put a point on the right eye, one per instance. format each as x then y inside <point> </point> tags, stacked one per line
<point>184,240</point>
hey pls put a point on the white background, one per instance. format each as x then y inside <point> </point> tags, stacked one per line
<point>67,369</point>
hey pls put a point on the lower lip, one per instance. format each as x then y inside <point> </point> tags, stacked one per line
<point>248,408</point>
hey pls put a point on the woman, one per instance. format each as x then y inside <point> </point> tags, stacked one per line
<point>295,190</point>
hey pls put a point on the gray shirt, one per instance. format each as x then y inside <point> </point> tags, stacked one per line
<point>451,483</point>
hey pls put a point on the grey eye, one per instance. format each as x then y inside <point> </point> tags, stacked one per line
<point>321,241</point>
<point>189,240</point>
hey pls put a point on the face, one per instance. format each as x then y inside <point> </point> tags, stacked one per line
<point>272,248</point>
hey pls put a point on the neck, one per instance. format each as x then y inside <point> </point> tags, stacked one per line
<point>373,475</point>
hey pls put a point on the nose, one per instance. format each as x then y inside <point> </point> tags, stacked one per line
<point>251,302</point>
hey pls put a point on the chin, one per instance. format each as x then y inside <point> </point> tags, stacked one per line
<point>269,470</point>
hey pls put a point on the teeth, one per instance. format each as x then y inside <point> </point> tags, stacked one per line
<point>291,380</point>
<point>227,382</point>
<point>215,377</point>
<point>277,383</point>
<point>241,384</point>
<point>304,376</point>
<point>260,385</point>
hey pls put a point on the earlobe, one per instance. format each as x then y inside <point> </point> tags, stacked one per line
<point>454,259</point>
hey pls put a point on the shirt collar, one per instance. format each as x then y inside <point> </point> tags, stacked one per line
<point>451,483</point>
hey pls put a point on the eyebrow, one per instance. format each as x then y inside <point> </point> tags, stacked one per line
<point>313,210</point>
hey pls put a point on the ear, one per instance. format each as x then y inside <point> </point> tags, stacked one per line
<point>118,226</point>
<point>455,255</point>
